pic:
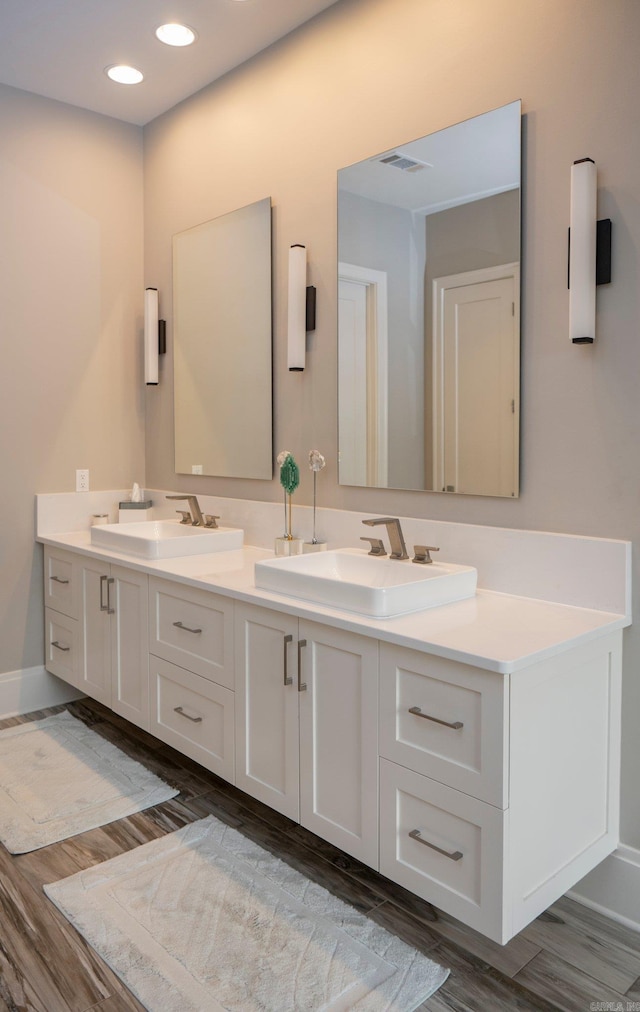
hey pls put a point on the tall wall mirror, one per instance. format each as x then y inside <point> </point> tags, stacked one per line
<point>429,311</point>
<point>223,345</point>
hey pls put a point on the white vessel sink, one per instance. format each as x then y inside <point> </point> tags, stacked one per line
<point>380,587</point>
<point>165,539</point>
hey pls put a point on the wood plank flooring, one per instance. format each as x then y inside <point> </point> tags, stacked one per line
<point>570,958</point>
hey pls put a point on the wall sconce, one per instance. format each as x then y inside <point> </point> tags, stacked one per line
<point>589,252</point>
<point>155,336</point>
<point>302,308</point>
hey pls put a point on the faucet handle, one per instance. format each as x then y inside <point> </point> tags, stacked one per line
<point>422,554</point>
<point>210,520</point>
<point>377,546</point>
<point>186,516</point>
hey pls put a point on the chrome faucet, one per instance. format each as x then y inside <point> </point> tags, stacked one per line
<point>396,538</point>
<point>197,520</point>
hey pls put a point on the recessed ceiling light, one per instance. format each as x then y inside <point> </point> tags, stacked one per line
<point>176,35</point>
<point>124,75</point>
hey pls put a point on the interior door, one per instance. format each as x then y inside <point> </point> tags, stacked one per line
<point>477,432</point>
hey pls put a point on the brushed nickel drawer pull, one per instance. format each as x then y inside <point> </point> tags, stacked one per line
<point>59,647</point>
<point>301,685</point>
<point>457,724</point>
<point>186,628</point>
<point>110,582</point>
<point>288,680</point>
<point>58,580</point>
<point>178,709</point>
<point>453,856</point>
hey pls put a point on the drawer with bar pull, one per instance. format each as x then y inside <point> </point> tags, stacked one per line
<point>61,644</point>
<point>442,845</point>
<point>446,720</point>
<point>60,584</point>
<point>192,628</point>
<point>193,715</point>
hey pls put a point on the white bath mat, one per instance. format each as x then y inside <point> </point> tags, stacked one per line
<point>58,778</point>
<point>205,920</point>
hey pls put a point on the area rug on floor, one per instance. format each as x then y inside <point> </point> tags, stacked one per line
<point>58,778</point>
<point>205,919</point>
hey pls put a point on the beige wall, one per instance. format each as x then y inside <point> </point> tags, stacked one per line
<point>362,77</point>
<point>70,299</point>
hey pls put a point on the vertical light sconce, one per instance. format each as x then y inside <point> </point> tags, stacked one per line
<point>302,308</point>
<point>154,337</point>
<point>589,252</point>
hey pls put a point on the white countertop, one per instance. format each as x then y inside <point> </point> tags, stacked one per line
<point>496,631</point>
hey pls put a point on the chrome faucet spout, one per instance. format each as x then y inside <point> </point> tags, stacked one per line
<point>197,520</point>
<point>396,537</point>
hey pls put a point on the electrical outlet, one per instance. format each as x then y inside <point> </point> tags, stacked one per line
<point>196,469</point>
<point>82,480</point>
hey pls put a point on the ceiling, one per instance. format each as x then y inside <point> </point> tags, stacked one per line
<point>60,48</point>
<point>468,161</point>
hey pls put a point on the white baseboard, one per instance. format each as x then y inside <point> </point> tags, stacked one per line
<point>31,689</point>
<point>613,888</point>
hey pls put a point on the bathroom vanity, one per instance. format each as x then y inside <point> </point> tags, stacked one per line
<point>469,752</point>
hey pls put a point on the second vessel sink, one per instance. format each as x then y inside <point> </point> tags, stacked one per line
<point>165,539</point>
<point>380,587</point>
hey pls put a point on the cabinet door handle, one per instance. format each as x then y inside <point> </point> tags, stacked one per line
<point>301,685</point>
<point>110,581</point>
<point>58,580</point>
<point>59,647</point>
<point>456,725</point>
<point>178,709</point>
<point>186,628</point>
<point>103,606</point>
<point>452,855</point>
<point>288,680</point>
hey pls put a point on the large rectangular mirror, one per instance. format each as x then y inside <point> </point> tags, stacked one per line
<point>429,311</point>
<point>223,345</point>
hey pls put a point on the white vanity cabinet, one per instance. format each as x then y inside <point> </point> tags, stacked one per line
<point>114,665</point>
<point>489,793</point>
<point>192,673</point>
<point>306,725</point>
<point>498,792</point>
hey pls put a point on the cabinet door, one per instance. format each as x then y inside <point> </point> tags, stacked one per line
<point>128,599</point>
<point>95,648</point>
<point>338,739</point>
<point>267,707</point>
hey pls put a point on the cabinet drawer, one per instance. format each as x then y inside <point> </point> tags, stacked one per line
<point>61,644</point>
<point>446,720</point>
<point>193,715</point>
<point>192,628</point>
<point>463,875</point>
<point>60,583</point>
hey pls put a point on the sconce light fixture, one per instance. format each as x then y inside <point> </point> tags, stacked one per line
<point>155,337</point>
<point>302,308</point>
<point>589,252</point>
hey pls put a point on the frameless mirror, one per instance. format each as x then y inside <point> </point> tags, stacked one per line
<point>429,311</point>
<point>222,345</point>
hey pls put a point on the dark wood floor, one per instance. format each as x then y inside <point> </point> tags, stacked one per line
<point>570,958</point>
